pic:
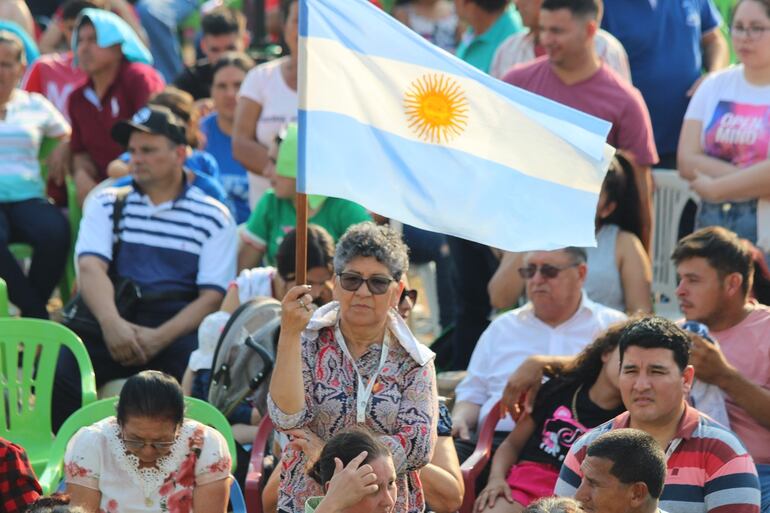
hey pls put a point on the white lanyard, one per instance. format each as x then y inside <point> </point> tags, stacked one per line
<point>363,392</point>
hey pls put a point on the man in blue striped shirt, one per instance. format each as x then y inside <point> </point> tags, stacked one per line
<point>175,243</point>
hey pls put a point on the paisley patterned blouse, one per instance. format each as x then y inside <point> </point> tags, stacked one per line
<point>96,458</point>
<point>402,407</point>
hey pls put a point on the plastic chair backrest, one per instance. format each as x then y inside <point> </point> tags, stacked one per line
<point>671,195</point>
<point>257,464</point>
<point>29,350</point>
<point>103,408</point>
<point>472,467</point>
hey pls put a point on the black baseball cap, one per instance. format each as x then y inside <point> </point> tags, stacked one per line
<point>153,119</point>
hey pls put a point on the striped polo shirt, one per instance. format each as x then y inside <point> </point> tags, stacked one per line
<point>181,245</point>
<point>709,469</point>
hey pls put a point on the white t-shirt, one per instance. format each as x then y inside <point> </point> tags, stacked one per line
<point>255,282</point>
<point>518,334</point>
<point>735,117</point>
<point>266,86</point>
<point>520,48</point>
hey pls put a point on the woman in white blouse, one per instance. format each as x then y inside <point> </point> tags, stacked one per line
<point>148,458</point>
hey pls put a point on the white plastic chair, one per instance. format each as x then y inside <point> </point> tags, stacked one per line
<point>671,195</point>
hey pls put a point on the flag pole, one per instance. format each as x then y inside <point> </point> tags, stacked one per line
<point>300,269</point>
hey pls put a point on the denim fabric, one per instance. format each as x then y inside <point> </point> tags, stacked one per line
<point>40,224</point>
<point>160,19</point>
<point>740,217</point>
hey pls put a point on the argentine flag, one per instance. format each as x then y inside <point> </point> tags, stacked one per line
<point>415,134</point>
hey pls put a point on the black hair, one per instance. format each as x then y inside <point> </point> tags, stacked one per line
<point>491,5</point>
<point>56,503</point>
<point>578,8</point>
<point>656,332</point>
<point>586,367</point>
<point>71,8</point>
<point>346,445</point>
<point>620,187</point>
<point>236,59</point>
<point>636,457</point>
<point>223,21</point>
<point>320,251</point>
<point>152,394</point>
<point>723,250</point>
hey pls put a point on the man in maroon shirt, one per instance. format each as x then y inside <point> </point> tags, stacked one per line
<point>116,89</point>
<point>571,73</point>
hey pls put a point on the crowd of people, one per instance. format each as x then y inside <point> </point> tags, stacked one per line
<point>169,183</point>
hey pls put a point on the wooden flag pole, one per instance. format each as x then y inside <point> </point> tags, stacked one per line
<point>301,251</point>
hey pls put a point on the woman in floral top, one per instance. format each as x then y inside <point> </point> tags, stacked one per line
<point>354,361</point>
<point>150,458</point>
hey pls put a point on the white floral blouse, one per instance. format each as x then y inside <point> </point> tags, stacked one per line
<point>96,458</point>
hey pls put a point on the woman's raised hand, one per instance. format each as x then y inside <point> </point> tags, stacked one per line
<point>296,310</point>
<point>350,483</point>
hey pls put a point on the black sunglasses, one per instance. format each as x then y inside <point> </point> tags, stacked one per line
<point>376,284</point>
<point>547,270</point>
<point>409,293</point>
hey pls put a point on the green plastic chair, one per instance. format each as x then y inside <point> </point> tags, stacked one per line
<point>3,299</point>
<point>29,349</point>
<point>196,409</point>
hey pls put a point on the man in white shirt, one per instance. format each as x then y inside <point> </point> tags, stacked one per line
<point>558,320</point>
<point>525,46</point>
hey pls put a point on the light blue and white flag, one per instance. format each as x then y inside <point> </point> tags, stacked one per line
<point>415,134</point>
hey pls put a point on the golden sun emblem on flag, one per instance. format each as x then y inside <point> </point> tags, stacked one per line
<point>436,108</point>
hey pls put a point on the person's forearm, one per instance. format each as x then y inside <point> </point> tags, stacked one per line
<point>505,457</point>
<point>643,180</point>
<point>716,54</point>
<point>251,154</point>
<point>467,412</point>
<point>190,317</point>
<point>751,182</point>
<point>441,489</point>
<point>287,388</point>
<point>98,293</point>
<point>506,286</point>
<point>748,395</point>
<point>714,167</point>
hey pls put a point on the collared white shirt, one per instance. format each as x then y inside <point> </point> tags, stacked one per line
<point>518,334</point>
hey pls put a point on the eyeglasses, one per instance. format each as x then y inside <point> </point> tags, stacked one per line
<point>138,445</point>
<point>752,32</point>
<point>376,284</point>
<point>546,270</point>
<point>408,293</point>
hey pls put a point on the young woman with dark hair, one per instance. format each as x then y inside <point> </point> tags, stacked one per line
<point>584,395</point>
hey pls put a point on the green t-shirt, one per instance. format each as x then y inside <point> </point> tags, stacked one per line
<point>478,50</point>
<point>274,217</point>
<point>312,503</point>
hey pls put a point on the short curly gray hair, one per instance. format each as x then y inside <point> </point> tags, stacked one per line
<point>554,505</point>
<point>370,240</point>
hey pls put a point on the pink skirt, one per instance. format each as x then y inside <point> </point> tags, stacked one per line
<point>530,481</point>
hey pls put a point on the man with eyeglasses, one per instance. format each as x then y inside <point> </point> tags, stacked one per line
<point>558,319</point>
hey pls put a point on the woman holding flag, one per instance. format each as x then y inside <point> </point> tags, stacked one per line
<point>354,361</point>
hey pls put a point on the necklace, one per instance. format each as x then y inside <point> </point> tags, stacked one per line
<point>574,403</point>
